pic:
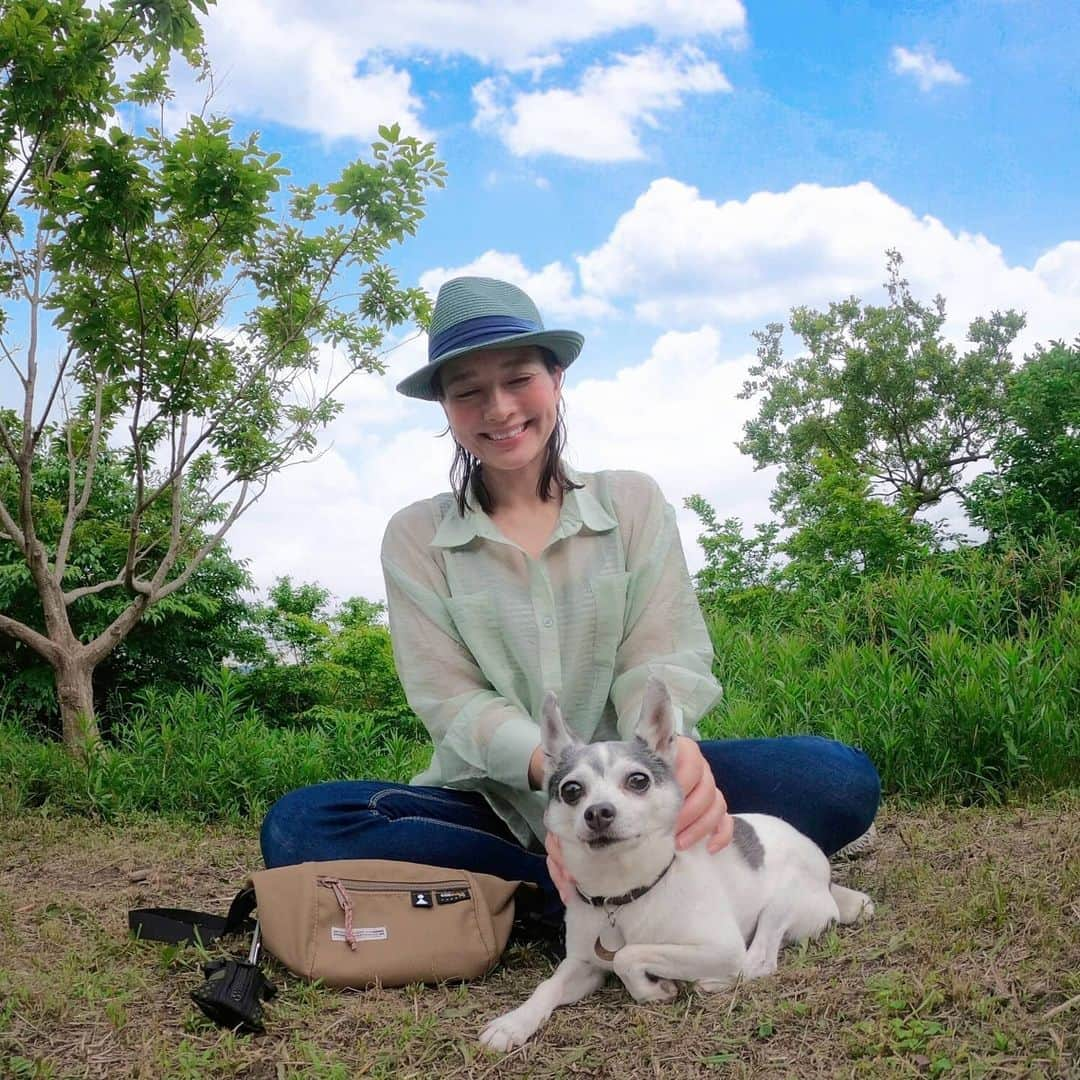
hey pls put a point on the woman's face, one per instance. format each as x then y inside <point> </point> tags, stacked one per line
<point>501,405</point>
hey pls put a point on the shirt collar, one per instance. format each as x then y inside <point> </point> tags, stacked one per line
<point>580,509</point>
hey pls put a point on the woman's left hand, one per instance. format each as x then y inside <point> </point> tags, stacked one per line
<point>704,811</point>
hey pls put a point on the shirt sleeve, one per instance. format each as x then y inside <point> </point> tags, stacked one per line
<point>665,634</point>
<point>479,736</point>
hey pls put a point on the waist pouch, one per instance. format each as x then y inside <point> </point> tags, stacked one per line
<point>357,922</point>
<point>361,922</point>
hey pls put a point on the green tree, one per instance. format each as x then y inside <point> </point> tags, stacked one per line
<point>879,386</point>
<point>1035,490</point>
<point>295,620</point>
<point>184,303</point>
<point>733,562</point>
<point>844,533</point>
<point>322,664</point>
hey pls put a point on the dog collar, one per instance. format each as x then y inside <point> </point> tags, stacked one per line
<point>626,897</point>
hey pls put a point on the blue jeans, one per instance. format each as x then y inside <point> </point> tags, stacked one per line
<point>826,790</point>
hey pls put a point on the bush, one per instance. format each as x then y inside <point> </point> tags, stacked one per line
<point>202,753</point>
<point>959,679</point>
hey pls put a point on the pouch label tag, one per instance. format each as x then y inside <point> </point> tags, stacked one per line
<point>359,933</point>
<point>422,898</point>
<point>451,896</point>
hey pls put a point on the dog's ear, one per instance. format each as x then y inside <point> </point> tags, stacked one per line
<point>656,724</point>
<point>555,737</point>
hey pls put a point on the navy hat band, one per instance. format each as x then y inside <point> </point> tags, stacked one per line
<point>473,333</point>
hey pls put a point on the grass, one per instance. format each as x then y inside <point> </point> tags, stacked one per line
<point>971,968</point>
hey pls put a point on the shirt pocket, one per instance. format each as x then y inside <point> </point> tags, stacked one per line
<point>609,594</point>
<point>476,621</point>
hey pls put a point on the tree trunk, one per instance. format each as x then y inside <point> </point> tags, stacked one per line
<point>75,689</point>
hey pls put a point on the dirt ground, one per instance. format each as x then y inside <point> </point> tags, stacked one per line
<point>970,968</point>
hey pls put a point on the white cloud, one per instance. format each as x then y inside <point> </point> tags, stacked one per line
<point>682,258</point>
<point>324,521</point>
<point>925,68</point>
<point>330,67</point>
<point>526,33</point>
<point>1060,268</point>
<point>551,288</point>
<point>535,66</point>
<point>602,119</point>
<point>676,416</point>
<point>278,63</point>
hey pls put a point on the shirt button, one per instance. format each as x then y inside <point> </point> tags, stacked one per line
<point>549,621</point>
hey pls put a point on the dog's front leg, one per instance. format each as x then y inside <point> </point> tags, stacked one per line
<point>571,981</point>
<point>650,972</point>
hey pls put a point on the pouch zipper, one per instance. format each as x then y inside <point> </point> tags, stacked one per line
<point>387,886</point>
<point>341,887</point>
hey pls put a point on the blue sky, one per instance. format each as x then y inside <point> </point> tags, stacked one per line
<point>665,176</point>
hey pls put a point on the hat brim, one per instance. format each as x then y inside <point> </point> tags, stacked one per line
<point>563,344</point>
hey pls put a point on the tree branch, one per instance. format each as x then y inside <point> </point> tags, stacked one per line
<point>90,590</point>
<point>11,360</point>
<point>238,508</point>
<point>52,395</point>
<point>22,175</point>
<point>75,511</point>
<point>38,642</point>
<point>11,528</point>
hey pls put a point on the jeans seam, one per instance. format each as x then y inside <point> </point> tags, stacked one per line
<point>411,793</point>
<point>436,821</point>
<point>471,829</point>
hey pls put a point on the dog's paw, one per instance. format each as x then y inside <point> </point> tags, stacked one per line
<point>853,906</point>
<point>715,986</point>
<point>650,989</point>
<point>759,967</point>
<point>508,1031</point>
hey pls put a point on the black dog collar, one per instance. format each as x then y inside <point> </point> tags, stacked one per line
<point>626,897</point>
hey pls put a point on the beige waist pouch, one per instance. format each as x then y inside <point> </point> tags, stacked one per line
<point>361,922</point>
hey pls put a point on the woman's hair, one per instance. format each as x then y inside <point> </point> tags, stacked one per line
<point>467,474</point>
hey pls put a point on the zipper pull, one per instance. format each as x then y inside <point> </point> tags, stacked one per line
<point>346,906</point>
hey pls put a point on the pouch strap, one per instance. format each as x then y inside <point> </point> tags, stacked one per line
<point>191,927</point>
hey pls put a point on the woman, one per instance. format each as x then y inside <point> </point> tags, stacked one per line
<point>528,578</point>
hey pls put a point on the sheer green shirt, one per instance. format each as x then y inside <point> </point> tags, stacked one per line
<point>481,631</point>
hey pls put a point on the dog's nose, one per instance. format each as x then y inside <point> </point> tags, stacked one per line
<point>599,816</point>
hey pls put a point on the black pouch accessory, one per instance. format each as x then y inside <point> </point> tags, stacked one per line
<point>234,990</point>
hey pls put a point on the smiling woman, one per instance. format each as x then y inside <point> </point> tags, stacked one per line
<point>531,578</point>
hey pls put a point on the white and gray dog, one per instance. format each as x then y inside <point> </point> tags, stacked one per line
<point>651,915</point>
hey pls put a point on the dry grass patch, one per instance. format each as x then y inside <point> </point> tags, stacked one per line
<point>971,968</point>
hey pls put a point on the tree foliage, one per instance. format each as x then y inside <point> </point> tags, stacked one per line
<point>844,533</point>
<point>879,386</point>
<point>185,305</point>
<point>733,562</point>
<point>324,664</point>
<point>1035,488</point>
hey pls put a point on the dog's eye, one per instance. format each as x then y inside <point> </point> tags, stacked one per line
<point>571,791</point>
<point>637,781</point>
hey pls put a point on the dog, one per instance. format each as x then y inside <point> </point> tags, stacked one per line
<point>652,915</point>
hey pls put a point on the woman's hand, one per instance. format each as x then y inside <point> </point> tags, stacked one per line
<point>557,869</point>
<point>704,810</point>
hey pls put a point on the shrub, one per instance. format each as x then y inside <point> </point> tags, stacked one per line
<point>959,679</point>
<point>202,753</point>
